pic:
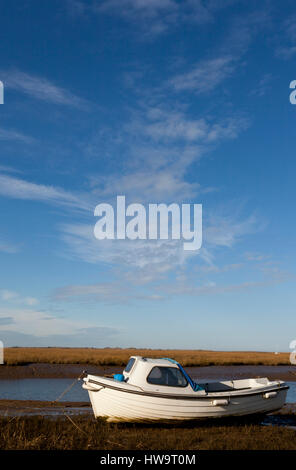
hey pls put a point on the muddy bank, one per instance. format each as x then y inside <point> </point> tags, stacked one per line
<point>53,371</point>
<point>21,408</point>
<point>5,404</point>
<point>44,370</point>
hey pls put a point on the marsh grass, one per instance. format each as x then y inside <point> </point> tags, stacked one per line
<point>40,433</point>
<point>119,357</point>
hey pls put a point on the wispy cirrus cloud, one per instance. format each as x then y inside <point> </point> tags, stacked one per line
<point>161,143</point>
<point>149,260</point>
<point>126,253</point>
<point>166,184</point>
<point>251,256</point>
<point>288,50</point>
<point>205,76</point>
<point>154,285</point>
<point>17,325</point>
<point>261,88</point>
<point>12,296</point>
<point>18,188</point>
<point>224,231</point>
<point>163,124</point>
<point>151,17</point>
<point>111,292</point>
<point>213,288</point>
<point>41,88</point>
<point>116,292</point>
<point>15,136</point>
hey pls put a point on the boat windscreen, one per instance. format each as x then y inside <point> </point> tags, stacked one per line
<point>193,384</point>
<point>130,364</point>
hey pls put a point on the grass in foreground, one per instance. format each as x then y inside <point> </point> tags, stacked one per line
<point>38,433</point>
<point>119,357</point>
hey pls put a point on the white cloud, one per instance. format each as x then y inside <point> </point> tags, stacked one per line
<point>166,125</point>
<point>251,256</point>
<point>114,292</point>
<point>290,28</point>
<point>205,76</point>
<point>17,326</point>
<point>154,17</point>
<point>143,262</point>
<point>12,135</point>
<point>288,50</point>
<point>124,291</point>
<point>170,125</point>
<point>144,186</point>
<point>212,269</point>
<point>8,294</point>
<point>40,88</point>
<point>209,73</point>
<point>160,144</point>
<point>262,86</point>
<point>18,188</point>
<point>12,296</point>
<point>127,253</point>
<point>31,301</point>
<point>211,288</point>
<point>227,230</point>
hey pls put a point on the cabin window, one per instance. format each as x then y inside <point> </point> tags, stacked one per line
<point>169,376</point>
<point>130,364</point>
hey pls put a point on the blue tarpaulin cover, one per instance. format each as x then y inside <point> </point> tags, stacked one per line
<point>118,377</point>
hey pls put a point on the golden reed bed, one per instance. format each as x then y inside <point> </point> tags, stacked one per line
<point>119,357</point>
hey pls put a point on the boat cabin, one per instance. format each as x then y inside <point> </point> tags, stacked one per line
<point>146,372</point>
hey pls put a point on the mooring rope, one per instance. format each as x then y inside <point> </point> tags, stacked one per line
<point>69,387</point>
<point>63,408</point>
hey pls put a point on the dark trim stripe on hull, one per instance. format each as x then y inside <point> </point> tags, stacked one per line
<point>185,397</point>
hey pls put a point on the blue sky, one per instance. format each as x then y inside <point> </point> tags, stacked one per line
<point>161,101</point>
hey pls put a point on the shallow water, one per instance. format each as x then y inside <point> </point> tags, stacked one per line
<point>42,389</point>
<point>51,389</point>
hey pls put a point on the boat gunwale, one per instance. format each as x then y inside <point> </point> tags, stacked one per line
<point>208,395</point>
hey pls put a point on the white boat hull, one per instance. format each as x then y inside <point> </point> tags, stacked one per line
<point>120,404</point>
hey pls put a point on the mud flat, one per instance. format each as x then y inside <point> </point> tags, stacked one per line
<point>53,371</point>
<point>21,408</point>
<point>18,408</point>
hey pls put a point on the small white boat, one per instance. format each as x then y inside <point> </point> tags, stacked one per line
<point>160,389</point>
